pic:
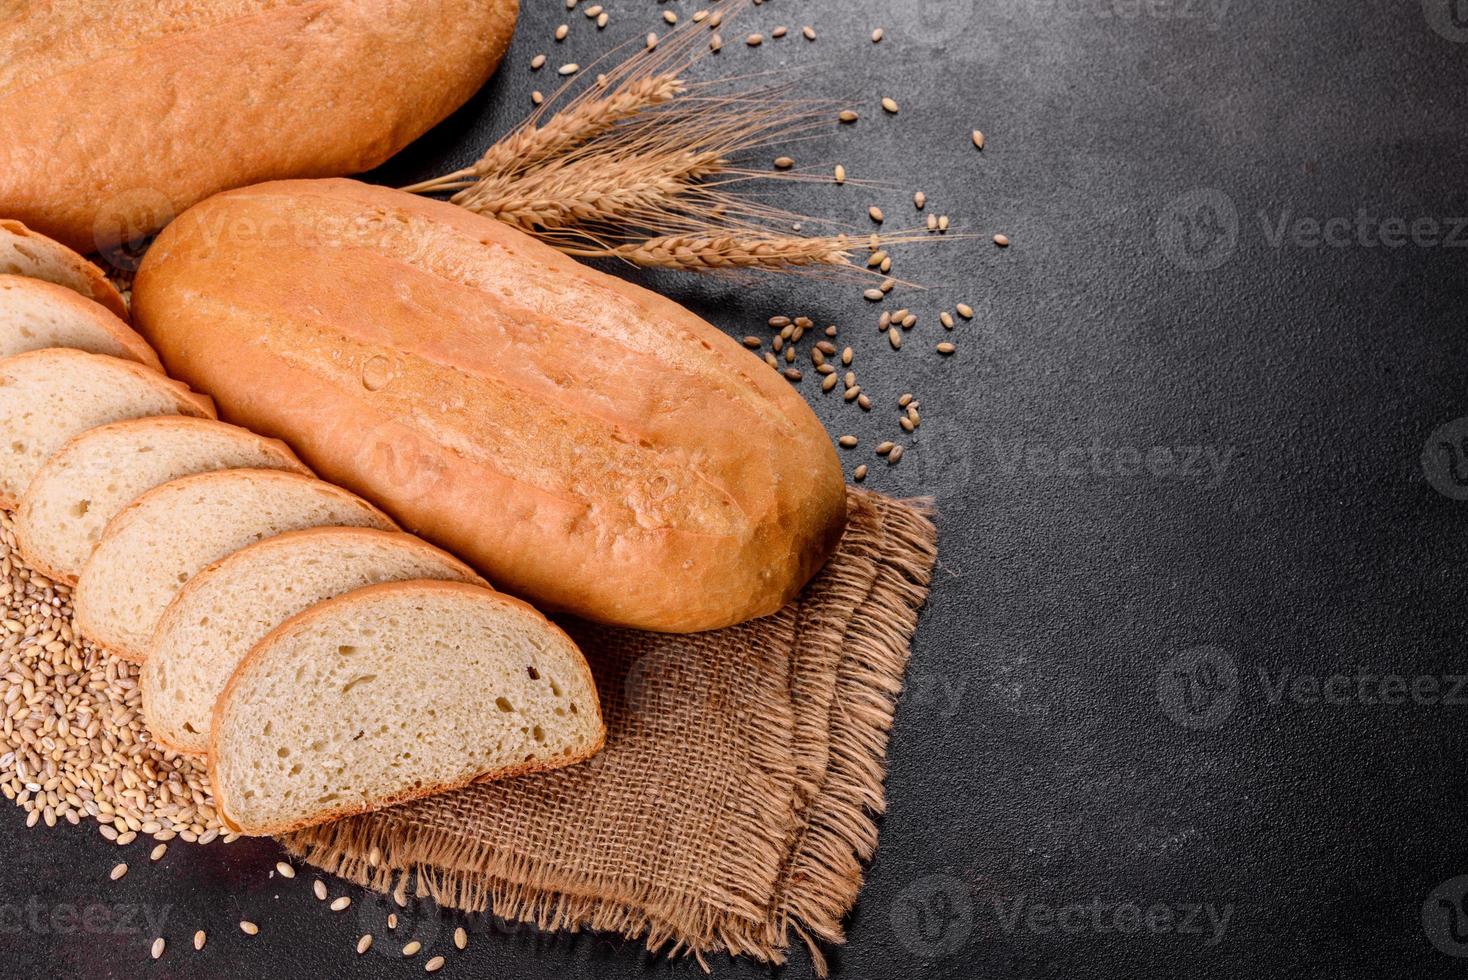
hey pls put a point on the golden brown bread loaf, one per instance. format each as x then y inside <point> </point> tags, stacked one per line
<point>584,442</point>
<point>117,115</point>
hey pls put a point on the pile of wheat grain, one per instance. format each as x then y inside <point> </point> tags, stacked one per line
<point>74,745</point>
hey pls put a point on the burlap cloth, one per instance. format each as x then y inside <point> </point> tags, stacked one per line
<point>734,805</point>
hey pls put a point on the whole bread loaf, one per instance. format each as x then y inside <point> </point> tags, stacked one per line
<point>585,443</point>
<point>117,115</point>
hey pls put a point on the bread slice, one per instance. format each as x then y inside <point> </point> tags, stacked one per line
<point>48,396</point>
<point>229,607</point>
<point>391,693</point>
<point>35,314</point>
<point>168,535</point>
<point>29,253</point>
<point>67,506</point>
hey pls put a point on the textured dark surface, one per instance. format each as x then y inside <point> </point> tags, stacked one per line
<point>1095,733</point>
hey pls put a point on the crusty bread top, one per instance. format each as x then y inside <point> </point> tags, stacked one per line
<point>411,610</point>
<point>219,94</point>
<point>582,441</point>
<point>94,328</point>
<point>24,252</point>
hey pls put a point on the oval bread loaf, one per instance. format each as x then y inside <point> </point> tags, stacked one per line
<point>24,252</point>
<point>229,607</point>
<point>117,115</point>
<point>35,314</point>
<point>583,442</point>
<point>48,396</point>
<point>89,480</point>
<point>391,693</point>
<point>168,535</point>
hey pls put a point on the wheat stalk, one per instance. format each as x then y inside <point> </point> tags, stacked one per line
<point>638,168</point>
<point>579,193</point>
<point>714,253</point>
<point>530,145</point>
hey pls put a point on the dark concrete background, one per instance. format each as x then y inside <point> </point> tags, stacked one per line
<point>1194,495</point>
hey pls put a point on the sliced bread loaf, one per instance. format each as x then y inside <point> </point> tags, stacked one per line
<point>391,693</point>
<point>48,396</point>
<point>86,482</point>
<point>229,607</point>
<point>168,535</point>
<point>24,252</point>
<point>35,314</point>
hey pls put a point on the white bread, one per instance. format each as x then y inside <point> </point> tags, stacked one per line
<point>67,506</point>
<point>391,693</point>
<point>583,442</point>
<point>24,252</point>
<point>48,396</point>
<point>229,607</point>
<point>35,314</point>
<point>168,535</point>
<point>116,115</point>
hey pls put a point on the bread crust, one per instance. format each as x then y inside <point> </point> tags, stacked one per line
<point>182,421</point>
<point>83,308</point>
<point>25,252</point>
<point>170,615</point>
<point>232,94</point>
<point>366,595</point>
<point>583,442</point>
<point>126,514</point>
<point>191,401</point>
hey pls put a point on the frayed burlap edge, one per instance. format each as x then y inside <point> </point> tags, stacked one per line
<point>821,877</point>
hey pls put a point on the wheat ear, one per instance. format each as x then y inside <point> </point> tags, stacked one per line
<point>530,145</point>
<point>708,253</point>
<point>579,193</point>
